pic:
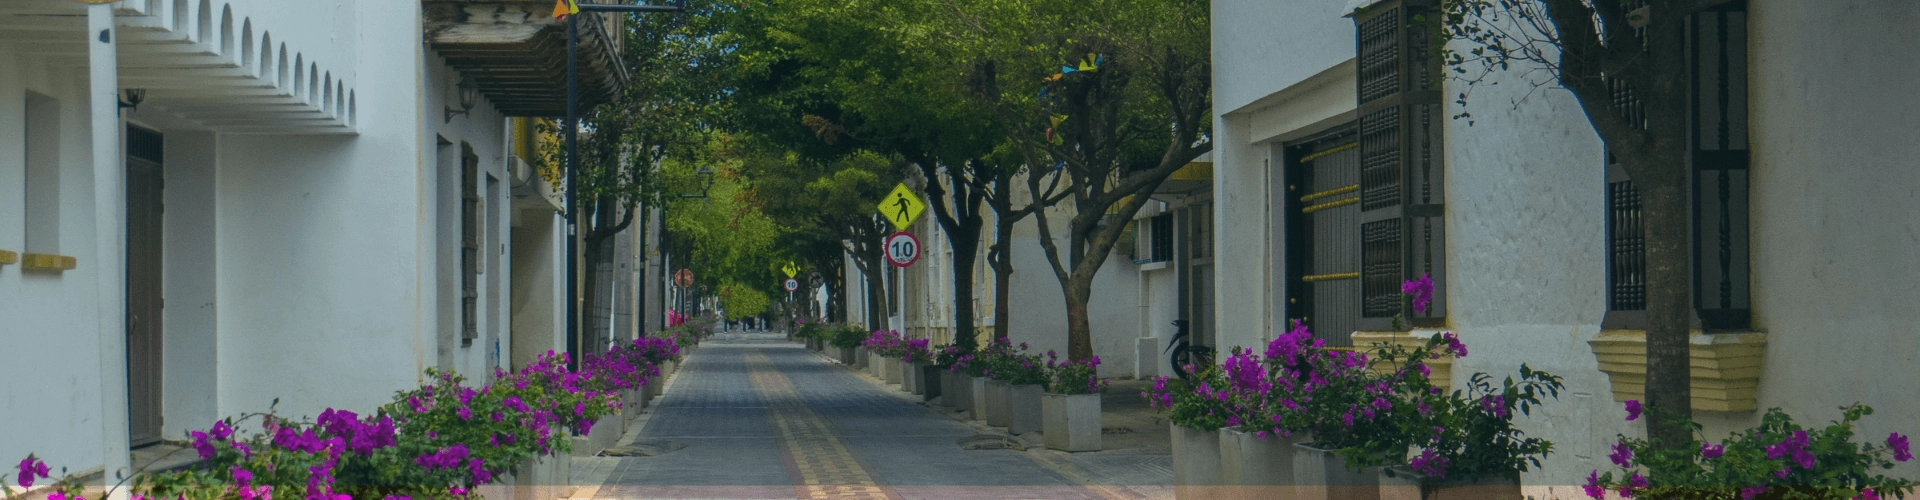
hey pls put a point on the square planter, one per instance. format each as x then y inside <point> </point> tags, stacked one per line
<point>860,358</point>
<point>910,381</point>
<point>977,399</point>
<point>957,390</point>
<point>1402,483</point>
<point>1253,467</point>
<point>1196,463</point>
<point>999,403</point>
<point>890,371</point>
<point>1071,421</point>
<point>1323,475</point>
<point>931,380</point>
<point>848,356</point>
<point>1023,401</point>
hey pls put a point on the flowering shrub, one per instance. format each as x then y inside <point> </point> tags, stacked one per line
<point>1073,377</point>
<point>917,351</point>
<point>886,343</point>
<point>1000,360</point>
<point>1777,460</point>
<point>847,337</point>
<point>436,442</point>
<point>809,331</point>
<point>1196,404</point>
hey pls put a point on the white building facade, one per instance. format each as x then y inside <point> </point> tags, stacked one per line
<point>210,205</point>
<point>1805,247</point>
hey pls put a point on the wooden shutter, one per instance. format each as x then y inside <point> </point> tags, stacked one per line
<point>1718,159</point>
<point>1402,229</point>
<point>469,247</point>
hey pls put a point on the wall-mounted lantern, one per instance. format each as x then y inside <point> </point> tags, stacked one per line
<point>467,94</point>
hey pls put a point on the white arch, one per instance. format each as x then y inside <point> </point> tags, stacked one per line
<point>204,30</point>
<point>326,93</point>
<point>182,15</point>
<point>246,47</point>
<point>280,78</point>
<point>226,30</point>
<point>313,80</point>
<point>266,58</point>
<point>299,75</point>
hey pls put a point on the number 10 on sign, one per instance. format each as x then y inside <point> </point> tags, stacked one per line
<point>902,249</point>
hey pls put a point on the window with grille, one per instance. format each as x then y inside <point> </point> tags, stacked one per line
<point>1718,159</point>
<point>469,245</point>
<point>1156,235</point>
<point>1401,201</point>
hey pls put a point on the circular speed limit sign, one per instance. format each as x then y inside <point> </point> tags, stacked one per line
<point>793,284</point>
<point>902,249</point>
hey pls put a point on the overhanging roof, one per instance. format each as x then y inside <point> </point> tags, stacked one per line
<point>517,52</point>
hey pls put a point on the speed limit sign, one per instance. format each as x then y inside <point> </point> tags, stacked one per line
<point>902,249</point>
<point>793,284</point>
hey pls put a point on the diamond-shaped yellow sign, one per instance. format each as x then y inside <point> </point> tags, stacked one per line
<point>791,269</point>
<point>901,207</point>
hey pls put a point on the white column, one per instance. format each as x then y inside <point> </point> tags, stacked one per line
<point>110,209</point>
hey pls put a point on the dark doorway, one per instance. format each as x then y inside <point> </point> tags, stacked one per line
<point>1323,236</point>
<point>144,303</point>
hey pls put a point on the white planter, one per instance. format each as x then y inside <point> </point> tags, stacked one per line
<point>891,371</point>
<point>1196,463</point>
<point>1024,402</point>
<point>1401,483</point>
<point>860,358</point>
<point>999,403</point>
<point>977,397</point>
<point>910,382</point>
<point>1071,421</point>
<point>958,390</point>
<point>1323,475</point>
<point>1253,467</point>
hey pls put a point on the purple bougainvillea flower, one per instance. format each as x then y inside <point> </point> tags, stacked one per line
<point>1867,494</point>
<point>222,431</point>
<point>1752,491</point>
<point>202,443</point>
<point>241,477</point>
<point>1633,409</point>
<point>1593,488</point>
<point>1421,290</point>
<point>1637,481</point>
<point>1621,456</point>
<point>1712,450</point>
<point>1898,444</point>
<point>31,468</point>
<point>479,471</point>
<point>57,495</point>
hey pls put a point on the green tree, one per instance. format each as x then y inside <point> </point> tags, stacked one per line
<point>1136,108</point>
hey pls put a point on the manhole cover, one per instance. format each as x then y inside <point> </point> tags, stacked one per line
<point>990,442</point>
<point>1115,430</point>
<point>643,448</point>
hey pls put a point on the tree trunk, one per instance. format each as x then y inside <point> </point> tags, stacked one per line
<point>963,262</point>
<point>998,255</point>
<point>1664,206</point>
<point>1079,329</point>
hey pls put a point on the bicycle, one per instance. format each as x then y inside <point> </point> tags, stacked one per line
<point>1183,354</point>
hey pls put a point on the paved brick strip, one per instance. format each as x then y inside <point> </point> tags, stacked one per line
<point>820,463</point>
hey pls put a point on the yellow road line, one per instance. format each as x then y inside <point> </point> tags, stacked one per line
<point>826,468</point>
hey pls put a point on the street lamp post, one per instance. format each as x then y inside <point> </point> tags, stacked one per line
<point>573,183</point>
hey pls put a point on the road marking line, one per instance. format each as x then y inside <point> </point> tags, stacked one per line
<point>822,465</point>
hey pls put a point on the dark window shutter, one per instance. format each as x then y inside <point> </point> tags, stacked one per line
<point>469,247</point>
<point>1719,158</point>
<point>1402,225</point>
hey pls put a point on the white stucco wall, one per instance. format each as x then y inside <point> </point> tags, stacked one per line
<point>51,321</point>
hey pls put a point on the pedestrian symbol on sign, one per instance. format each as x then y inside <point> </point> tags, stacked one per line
<point>901,207</point>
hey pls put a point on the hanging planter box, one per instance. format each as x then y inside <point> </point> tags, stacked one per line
<point>1402,483</point>
<point>1023,401</point>
<point>1196,462</point>
<point>999,403</point>
<point>1071,421</point>
<point>1725,366</point>
<point>1253,467</point>
<point>1323,475</point>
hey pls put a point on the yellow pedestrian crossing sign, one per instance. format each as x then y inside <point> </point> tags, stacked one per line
<point>901,207</point>
<point>791,269</point>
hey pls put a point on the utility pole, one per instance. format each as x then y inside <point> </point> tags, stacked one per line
<point>573,178</point>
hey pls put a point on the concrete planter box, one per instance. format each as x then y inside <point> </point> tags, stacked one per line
<point>956,389</point>
<point>848,355</point>
<point>1071,421</point>
<point>890,371</point>
<point>977,399</point>
<point>931,380</point>
<point>999,403</point>
<point>1402,483</point>
<point>860,358</point>
<point>1023,402</point>
<point>1251,467</point>
<point>1196,463</point>
<point>541,478</point>
<point>1322,475</point>
<point>606,432</point>
<point>910,381</point>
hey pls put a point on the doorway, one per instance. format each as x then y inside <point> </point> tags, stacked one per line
<point>144,303</point>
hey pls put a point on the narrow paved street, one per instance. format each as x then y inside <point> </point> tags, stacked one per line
<point>761,418</point>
